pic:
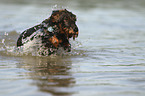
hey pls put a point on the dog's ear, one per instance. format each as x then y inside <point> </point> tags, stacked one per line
<point>55,11</point>
<point>57,15</point>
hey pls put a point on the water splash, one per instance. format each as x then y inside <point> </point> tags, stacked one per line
<point>57,7</point>
<point>54,7</point>
<point>8,47</point>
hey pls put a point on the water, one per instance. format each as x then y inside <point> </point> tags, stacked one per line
<point>107,59</point>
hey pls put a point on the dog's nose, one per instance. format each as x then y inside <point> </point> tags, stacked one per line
<point>76,29</point>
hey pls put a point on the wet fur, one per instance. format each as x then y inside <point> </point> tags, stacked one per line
<point>53,32</point>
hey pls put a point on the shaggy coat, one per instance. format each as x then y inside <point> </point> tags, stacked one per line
<point>53,32</point>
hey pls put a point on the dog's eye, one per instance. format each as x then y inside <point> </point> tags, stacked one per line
<point>50,29</point>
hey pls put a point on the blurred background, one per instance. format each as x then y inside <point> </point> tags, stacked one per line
<point>15,14</point>
<point>108,57</point>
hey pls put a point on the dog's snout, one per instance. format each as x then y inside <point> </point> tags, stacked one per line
<point>76,29</point>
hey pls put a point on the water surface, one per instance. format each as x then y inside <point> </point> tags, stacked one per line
<point>107,59</point>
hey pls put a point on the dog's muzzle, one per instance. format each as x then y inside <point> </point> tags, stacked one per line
<point>73,32</point>
<point>76,32</point>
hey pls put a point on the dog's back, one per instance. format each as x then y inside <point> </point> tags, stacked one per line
<point>27,33</point>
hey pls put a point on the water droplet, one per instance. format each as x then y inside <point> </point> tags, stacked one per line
<point>3,41</point>
<point>6,34</point>
<point>54,7</point>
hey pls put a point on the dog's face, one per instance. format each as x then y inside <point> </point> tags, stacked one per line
<point>65,22</point>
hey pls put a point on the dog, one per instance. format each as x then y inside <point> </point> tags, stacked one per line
<point>53,32</point>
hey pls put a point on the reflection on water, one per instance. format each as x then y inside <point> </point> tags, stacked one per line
<point>51,75</point>
<point>107,59</point>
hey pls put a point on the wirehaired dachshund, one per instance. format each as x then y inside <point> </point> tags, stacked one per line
<point>52,33</point>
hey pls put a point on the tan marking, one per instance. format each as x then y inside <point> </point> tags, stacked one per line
<point>75,35</point>
<point>61,31</point>
<point>54,41</point>
<point>71,31</point>
<point>55,18</point>
<point>61,10</point>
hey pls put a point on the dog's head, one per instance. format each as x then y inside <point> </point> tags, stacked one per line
<point>65,23</point>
